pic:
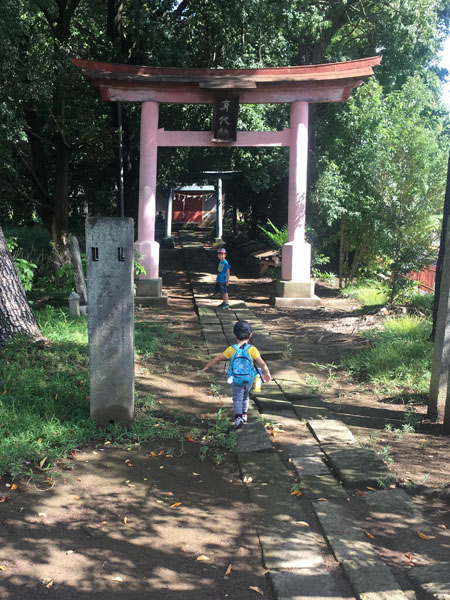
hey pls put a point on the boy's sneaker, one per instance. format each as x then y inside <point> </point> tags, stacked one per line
<point>224,306</point>
<point>238,422</point>
<point>244,417</point>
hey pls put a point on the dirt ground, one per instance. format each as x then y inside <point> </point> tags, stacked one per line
<point>155,521</point>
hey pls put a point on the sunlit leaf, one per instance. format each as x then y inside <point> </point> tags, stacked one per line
<point>76,498</point>
<point>369,535</point>
<point>442,526</point>
<point>42,514</point>
<point>425,537</point>
<point>125,520</point>
<point>2,568</point>
<point>47,581</point>
<point>117,578</point>
<point>202,557</point>
<point>175,504</point>
<point>256,589</point>
<point>229,569</point>
<point>370,488</point>
<point>302,523</point>
<point>42,463</point>
<point>107,443</point>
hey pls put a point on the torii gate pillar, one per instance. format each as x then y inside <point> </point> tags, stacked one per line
<point>148,290</point>
<point>296,287</point>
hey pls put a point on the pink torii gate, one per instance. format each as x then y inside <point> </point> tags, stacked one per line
<point>298,86</point>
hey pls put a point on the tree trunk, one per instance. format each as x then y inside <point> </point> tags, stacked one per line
<point>15,312</point>
<point>341,254</point>
<point>440,260</point>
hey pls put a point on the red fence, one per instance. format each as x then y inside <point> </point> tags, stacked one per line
<point>426,278</point>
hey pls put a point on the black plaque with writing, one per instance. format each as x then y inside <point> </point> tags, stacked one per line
<point>225,116</point>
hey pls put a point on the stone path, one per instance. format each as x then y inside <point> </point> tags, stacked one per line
<point>329,464</point>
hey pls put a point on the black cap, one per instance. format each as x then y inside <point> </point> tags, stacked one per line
<point>242,327</point>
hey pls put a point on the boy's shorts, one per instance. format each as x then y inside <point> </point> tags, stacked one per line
<point>221,287</point>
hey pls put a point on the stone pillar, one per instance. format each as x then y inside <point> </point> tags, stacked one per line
<point>169,216</point>
<point>149,284</point>
<point>296,287</point>
<point>219,212</point>
<point>109,262</point>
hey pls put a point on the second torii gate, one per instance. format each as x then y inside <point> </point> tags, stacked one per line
<point>298,86</point>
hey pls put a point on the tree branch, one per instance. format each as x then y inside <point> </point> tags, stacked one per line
<point>9,181</point>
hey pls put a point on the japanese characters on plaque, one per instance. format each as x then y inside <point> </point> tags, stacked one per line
<point>225,115</point>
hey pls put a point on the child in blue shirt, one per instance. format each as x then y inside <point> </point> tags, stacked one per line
<point>223,278</point>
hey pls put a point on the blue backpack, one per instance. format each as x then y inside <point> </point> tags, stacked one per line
<point>241,369</point>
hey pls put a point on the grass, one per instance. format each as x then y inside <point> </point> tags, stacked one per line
<point>399,357</point>
<point>368,293</point>
<point>44,405</point>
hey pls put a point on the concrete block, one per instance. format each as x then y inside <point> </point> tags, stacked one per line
<point>285,547</point>
<point>295,289</point>
<point>149,287</point>
<point>321,486</point>
<point>281,302</point>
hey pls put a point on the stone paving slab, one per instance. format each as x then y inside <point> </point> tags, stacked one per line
<point>311,413</point>
<point>275,405</point>
<point>372,580</point>
<point>330,431</point>
<point>253,438</point>
<point>358,467</point>
<point>314,584</point>
<point>286,419</point>
<point>275,503</point>
<point>321,486</point>
<point>262,467</point>
<point>346,541</point>
<point>434,579</point>
<point>284,547</point>
<point>280,369</point>
<point>311,462</point>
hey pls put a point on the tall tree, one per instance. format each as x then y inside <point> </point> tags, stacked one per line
<point>15,313</point>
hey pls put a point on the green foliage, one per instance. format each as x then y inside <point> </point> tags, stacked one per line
<point>399,357</point>
<point>274,236</point>
<point>25,268</point>
<point>381,178</point>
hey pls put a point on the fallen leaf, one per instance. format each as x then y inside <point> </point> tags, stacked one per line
<point>117,579</point>
<point>202,557</point>
<point>274,433</point>
<point>425,537</point>
<point>3,499</point>
<point>256,589</point>
<point>369,535</point>
<point>69,552</point>
<point>153,453</point>
<point>247,479</point>
<point>2,568</point>
<point>175,504</point>
<point>107,443</point>
<point>47,581</point>
<point>76,498</point>
<point>42,463</point>
<point>370,488</point>
<point>183,549</point>
<point>302,523</point>
<point>322,499</point>
<point>161,452</point>
<point>196,474</point>
<point>297,493</point>
<point>228,571</point>
<point>409,556</point>
<point>189,438</point>
<point>440,526</point>
<point>127,460</point>
<point>125,520</point>
<point>39,440</point>
<point>8,485</point>
<point>41,514</point>
<point>104,523</point>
